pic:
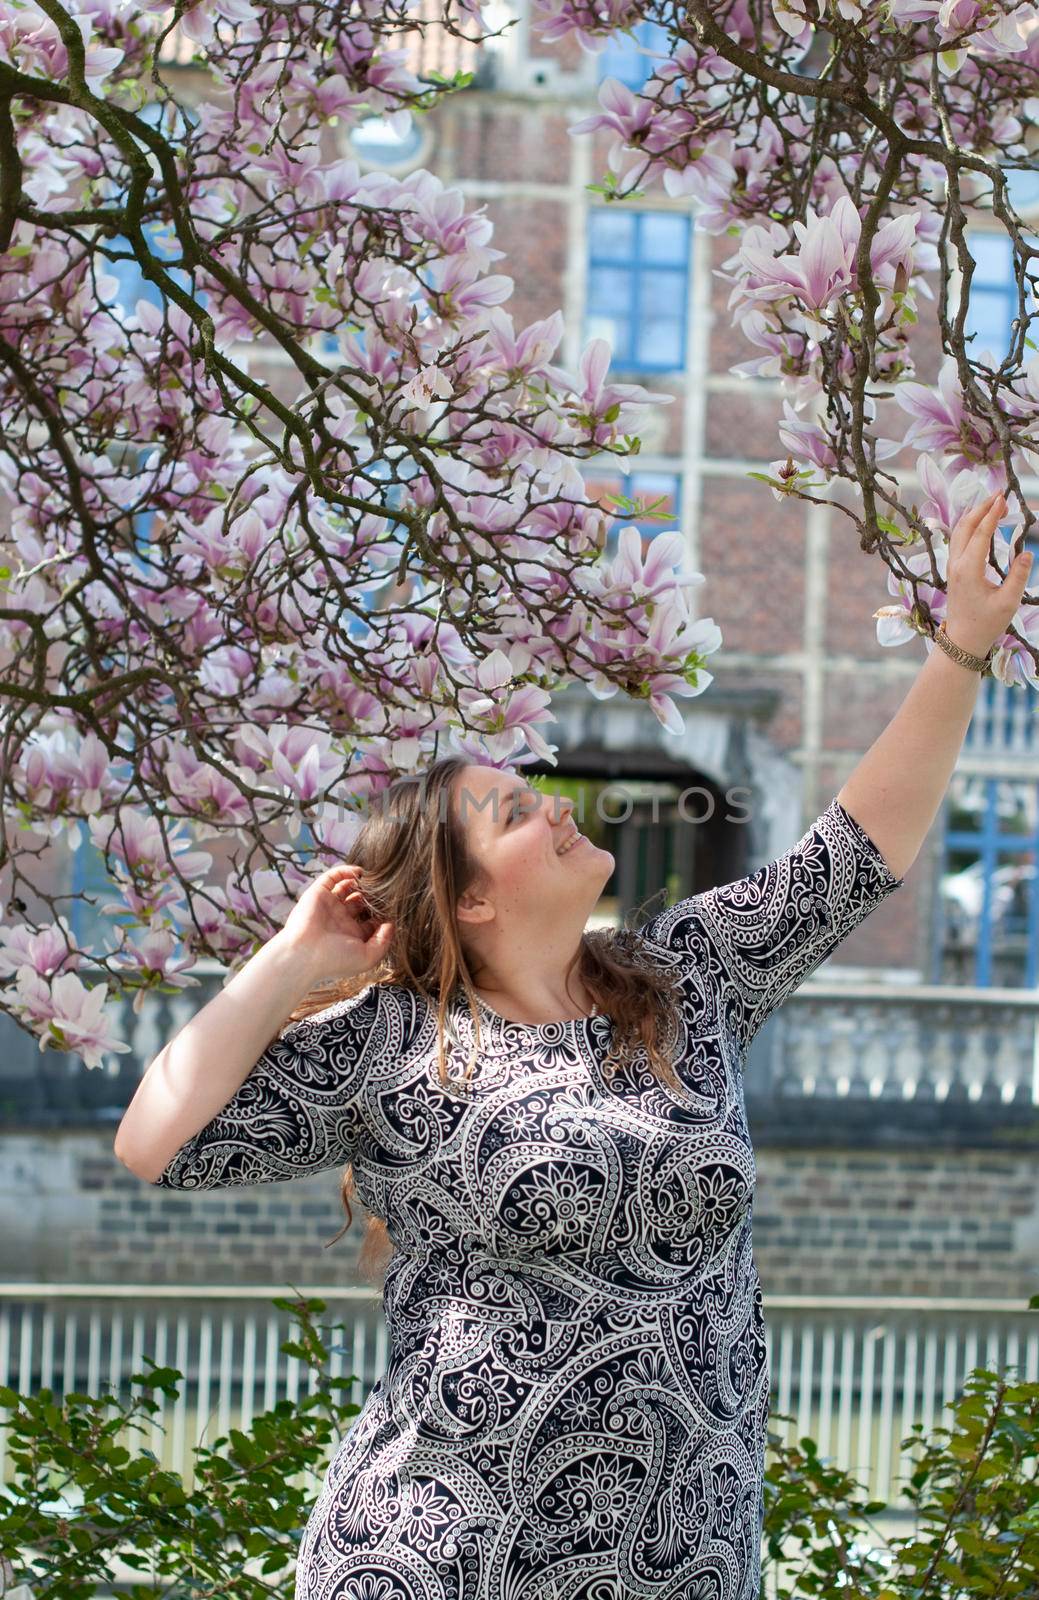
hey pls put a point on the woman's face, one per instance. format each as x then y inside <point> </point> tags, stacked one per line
<point>517,834</point>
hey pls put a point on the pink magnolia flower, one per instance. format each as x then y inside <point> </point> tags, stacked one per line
<point>203,792</point>
<point>429,384</point>
<point>45,952</point>
<point>945,498</point>
<point>629,114</point>
<point>643,579</point>
<point>528,353</point>
<point>511,718</point>
<point>266,901</point>
<point>153,958</point>
<point>941,423</point>
<point>595,397</point>
<point>73,1014</point>
<point>792,16</point>
<point>894,625</point>
<point>810,441</point>
<point>139,845</point>
<point>826,266</point>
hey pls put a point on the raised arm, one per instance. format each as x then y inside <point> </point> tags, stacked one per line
<point>755,940</point>
<point>227,1060</point>
<point>200,1069</point>
<point>897,788</point>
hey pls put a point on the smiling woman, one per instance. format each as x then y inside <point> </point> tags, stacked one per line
<point>522,923</point>
<point>568,1219</point>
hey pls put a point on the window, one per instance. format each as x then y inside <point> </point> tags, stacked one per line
<point>160,237</point>
<point>1003,720</point>
<point>623,57</point>
<point>988,923</point>
<point>380,141</point>
<point>993,290</point>
<point>993,295</point>
<point>649,489</point>
<point>91,929</point>
<point>638,269</point>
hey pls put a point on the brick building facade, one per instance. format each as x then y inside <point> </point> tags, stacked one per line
<point>801,689</point>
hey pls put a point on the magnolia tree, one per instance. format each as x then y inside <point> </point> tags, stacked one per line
<point>232,611</point>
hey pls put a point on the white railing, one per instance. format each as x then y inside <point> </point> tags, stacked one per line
<point>855,1373</point>
<point>922,1044</point>
<point>1003,722</point>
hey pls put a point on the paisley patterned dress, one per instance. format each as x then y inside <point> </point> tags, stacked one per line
<point>576,1397</point>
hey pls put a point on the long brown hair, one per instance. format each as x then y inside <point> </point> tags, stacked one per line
<point>417,863</point>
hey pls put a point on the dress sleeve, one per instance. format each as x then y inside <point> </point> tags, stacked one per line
<point>298,1111</point>
<point>759,937</point>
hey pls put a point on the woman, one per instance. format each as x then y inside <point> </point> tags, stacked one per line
<point>550,1124</point>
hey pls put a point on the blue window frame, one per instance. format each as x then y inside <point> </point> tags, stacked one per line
<point>993,295</point>
<point>988,923</point>
<point>90,928</point>
<point>993,292</point>
<point>647,487</point>
<point>622,57</point>
<point>1003,720</point>
<point>160,237</point>
<point>638,272</point>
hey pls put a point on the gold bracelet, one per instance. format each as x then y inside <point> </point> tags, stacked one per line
<point>982,664</point>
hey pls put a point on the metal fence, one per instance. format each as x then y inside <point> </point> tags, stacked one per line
<point>854,1373</point>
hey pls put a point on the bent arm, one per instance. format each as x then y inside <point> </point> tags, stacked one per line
<point>199,1071</point>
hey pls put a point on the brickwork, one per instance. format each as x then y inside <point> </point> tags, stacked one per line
<point>962,1224</point>
<point>954,1222</point>
<point>752,556</point>
<point>93,1221</point>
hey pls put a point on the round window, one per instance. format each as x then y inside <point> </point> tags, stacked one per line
<point>392,141</point>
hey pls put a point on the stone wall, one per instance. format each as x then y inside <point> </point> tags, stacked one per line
<point>944,1222</point>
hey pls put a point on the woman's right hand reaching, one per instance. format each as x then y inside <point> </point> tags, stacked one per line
<point>332,923</point>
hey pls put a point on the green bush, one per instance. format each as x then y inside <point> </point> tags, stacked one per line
<point>80,1500</point>
<point>975,1498</point>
